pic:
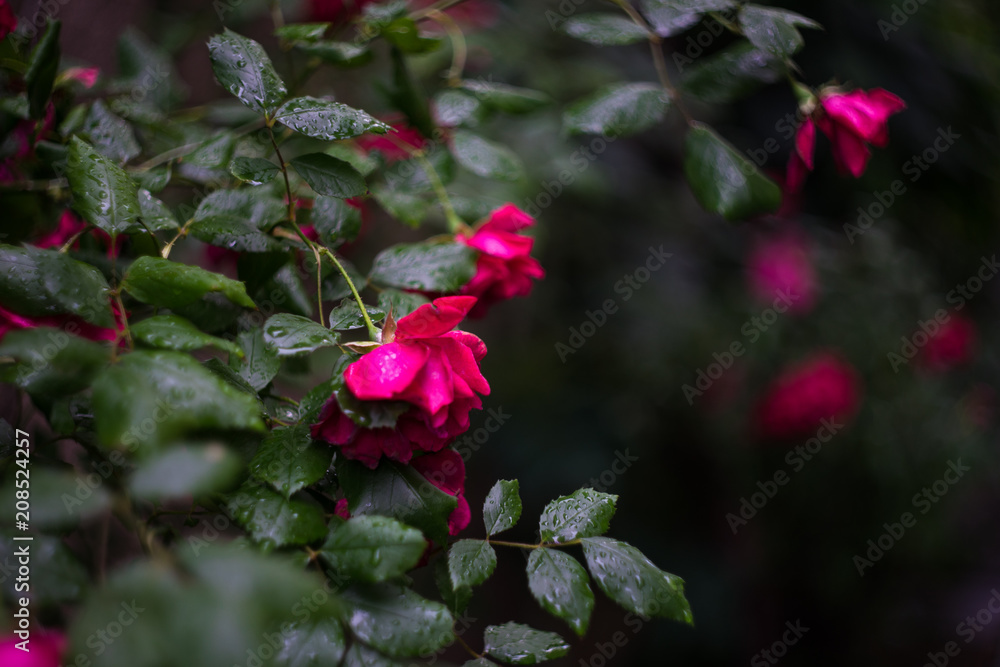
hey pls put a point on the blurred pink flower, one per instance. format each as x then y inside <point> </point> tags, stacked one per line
<point>85,75</point>
<point>8,22</point>
<point>952,345</point>
<point>393,145</point>
<point>45,650</point>
<point>779,266</point>
<point>820,387</point>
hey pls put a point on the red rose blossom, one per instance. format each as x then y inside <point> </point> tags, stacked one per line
<point>8,22</point>
<point>393,144</point>
<point>780,266</point>
<point>446,471</point>
<point>822,387</point>
<point>851,121</point>
<point>505,267</point>
<point>426,365</point>
<point>45,650</point>
<point>952,345</point>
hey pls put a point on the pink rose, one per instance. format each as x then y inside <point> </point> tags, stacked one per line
<point>446,471</point>
<point>779,267</point>
<point>422,364</point>
<point>8,22</point>
<point>821,387</point>
<point>505,268</point>
<point>44,651</point>
<point>951,346</point>
<point>71,324</point>
<point>85,75</point>
<point>851,121</point>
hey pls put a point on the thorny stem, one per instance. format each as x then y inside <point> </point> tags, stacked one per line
<point>459,49</point>
<point>372,331</point>
<point>477,656</point>
<point>656,48</point>
<point>181,233</point>
<point>540,545</point>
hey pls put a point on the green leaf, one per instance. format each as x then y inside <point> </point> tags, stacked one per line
<point>360,655</point>
<point>669,17</point>
<point>261,362</point>
<point>397,491</point>
<point>502,508</point>
<point>345,54</point>
<point>154,213</point>
<point>289,460</point>
<point>521,645</point>
<point>373,548</point>
<point>406,94</point>
<point>428,267</point>
<point>102,192</point>
<point>485,158</point>
<point>51,362</point>
<point>253,170</point>
<point>233,233</point>
<point>335,220</point>
<point>560,584</point>
<point>723,180</point>
<point>274,520</point>
<point>506,98</point>
<point>173,332</point>
<point>330,121</point>
<point>260,209</point>
<point>161,282</point>
<point>774,30</point>
<point>455,598</point>
<point>294,335</point>
<point>732,73</point>
<point>217,151</point>
<point>110,135</point>
<point>40,283</point>
<point>150,397</point>
<point>186,471</point>
<point>404,35</point>
<point>407,207</point>
<point>470,563</point>
<point>618,110</point>
<point>399,303</point>
<point>154,179</point>
<point>220,603</point>
<point>397,621</point>
<point>242,67</point>
<point>631,580</point>
<point>455,107</point>
<point>585,513</point>
<point>348,315</point>
<point>312,643</point>
<point>329,176</point>
<point>604,29</point>
<point>42,70</point>
<point>302,32</point>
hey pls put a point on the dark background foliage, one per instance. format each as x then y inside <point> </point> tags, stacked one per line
<point>621,392</point>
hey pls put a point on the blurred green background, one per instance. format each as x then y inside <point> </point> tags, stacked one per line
<point>620,395</point>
